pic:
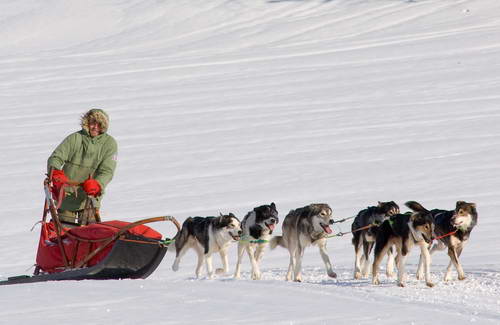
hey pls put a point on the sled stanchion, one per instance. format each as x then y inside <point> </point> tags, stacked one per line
<point>57,223</point>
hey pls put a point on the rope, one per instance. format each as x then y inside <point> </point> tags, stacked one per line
<point>446,235</point>
<point>340,234</point>
<point>345,219</point>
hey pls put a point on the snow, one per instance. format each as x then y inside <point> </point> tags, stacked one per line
<point>221,106</point>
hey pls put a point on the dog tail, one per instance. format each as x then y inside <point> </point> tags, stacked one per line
<point>182,236</point>
<point>415,206</point>
<point>277,241</point>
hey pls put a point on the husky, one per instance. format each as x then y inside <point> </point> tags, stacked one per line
<point>207,235</point>
<point>301,228</point>
<point>257,227</point>
<point>453,229</point>
<point>405,231</point>
<point>364,240</point>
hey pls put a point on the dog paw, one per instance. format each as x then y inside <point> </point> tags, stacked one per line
<point>376,281</point>
<point>420,276</point>
<point>175,267</point>
<point>237,276</point>
<point>297,280</point>
<point>390,274</point>
<point>332,274</point>
<point>429,284</point>
<point>447,277</point>
<point>461,277</point>
<point>357,275</point>
<point>401,284</point>
<point>220,271</point>
<point>256,276</point>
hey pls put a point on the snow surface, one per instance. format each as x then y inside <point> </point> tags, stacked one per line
<point>224,105</point>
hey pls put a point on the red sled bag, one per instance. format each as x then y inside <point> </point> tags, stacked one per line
<point>80,242</point>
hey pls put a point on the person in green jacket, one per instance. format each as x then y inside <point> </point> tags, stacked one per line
<point>88,158</point>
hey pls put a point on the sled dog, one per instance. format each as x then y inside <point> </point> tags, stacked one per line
<point>456,226</point>
<point>364,240</point>
<point>404,231</point>
<point>301,228</point>
<point>257,227</point>
<point>207,236</point>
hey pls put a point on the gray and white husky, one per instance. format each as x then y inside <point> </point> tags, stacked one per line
<point>302,227</point>
<point>207,235</point>
<point>257,226</point>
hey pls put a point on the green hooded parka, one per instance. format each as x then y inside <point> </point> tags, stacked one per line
<point>81,156</point>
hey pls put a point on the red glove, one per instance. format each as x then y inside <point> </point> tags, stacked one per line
<point>59,178</point>
<point>91,187</point>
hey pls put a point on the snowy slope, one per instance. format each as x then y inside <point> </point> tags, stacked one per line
<point>222,106</point>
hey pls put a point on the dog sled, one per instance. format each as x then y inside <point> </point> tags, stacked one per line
<point>98,251</point>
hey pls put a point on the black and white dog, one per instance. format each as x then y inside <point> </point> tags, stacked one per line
<point>257,226</point>
<point>302,227</point>
<point>207,236</point>
<point>453,229</point>
<point>364,240</point>
<point>405,231</point>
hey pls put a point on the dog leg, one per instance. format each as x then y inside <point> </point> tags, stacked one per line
<point>401,261</point>
<point>201,260</point>
<point>426,256</point>
<point>326,259</point>
<point>241,249</point>
<point>390,263</point>
<point>420,269</point>
<point>447,276</point>
<point>259,252</point>
<point>452,252</point>
<point>358,257</point>
<point>210,268</point>
<point>299,253</point>
<point>460,270</point>
<point>179,255</point>
<point>381,248</point>
<point>225,264</point>
<point>291,266</point>
<point>255,266</point>
<point>368,246</point>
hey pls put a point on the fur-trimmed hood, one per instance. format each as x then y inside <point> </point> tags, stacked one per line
<point>97,114</point>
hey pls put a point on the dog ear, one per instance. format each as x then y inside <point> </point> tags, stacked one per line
<point>459,204</point>
<point>273,206</point>
<point>379,204</point>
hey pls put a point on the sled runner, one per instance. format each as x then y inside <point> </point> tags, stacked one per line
<point>102,250</point>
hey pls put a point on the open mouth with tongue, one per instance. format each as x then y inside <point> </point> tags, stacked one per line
<point>236,238</point>
<point>326,228</point>
<point>270,226</point>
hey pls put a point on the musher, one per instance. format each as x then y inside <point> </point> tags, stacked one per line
<point>86,158</point>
